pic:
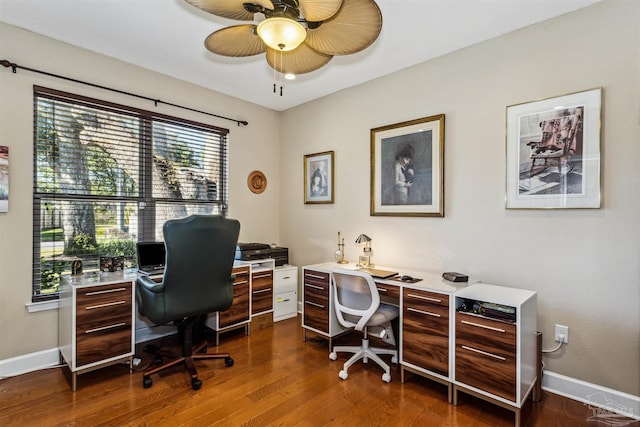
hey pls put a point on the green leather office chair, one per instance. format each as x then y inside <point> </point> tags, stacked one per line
<point>200,251</point>
<point>357,305</point>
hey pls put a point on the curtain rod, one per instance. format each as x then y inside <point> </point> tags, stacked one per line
<point>15,66</point>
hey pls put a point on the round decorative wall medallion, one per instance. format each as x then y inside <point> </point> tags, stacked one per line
<point>257,182</point>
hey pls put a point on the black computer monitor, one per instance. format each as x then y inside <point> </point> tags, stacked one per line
<point>151,255</point>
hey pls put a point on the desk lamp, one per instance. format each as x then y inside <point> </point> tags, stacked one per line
<point>365,258</point>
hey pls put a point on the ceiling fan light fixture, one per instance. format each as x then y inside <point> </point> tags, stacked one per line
<point>281,33</point>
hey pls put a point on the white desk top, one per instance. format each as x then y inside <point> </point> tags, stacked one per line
<point>431,280</point>
<point>100,278</point>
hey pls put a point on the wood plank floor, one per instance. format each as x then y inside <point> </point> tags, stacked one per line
<point>278,380</point>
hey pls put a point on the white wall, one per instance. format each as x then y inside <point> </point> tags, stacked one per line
<point>583,263</point>
<point>252,147</point>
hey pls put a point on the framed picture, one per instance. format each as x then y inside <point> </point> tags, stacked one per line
<point>318,177</point>
<point>407,168</point>
<point>553,152</point>
<point>4,178</point>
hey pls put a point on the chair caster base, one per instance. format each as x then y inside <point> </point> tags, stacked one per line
<point>147,382</point>
<point>196,383</point>
<point>386,377</point>
<point>228,361</point>
<point>333,355</point>
<point>343,374</point>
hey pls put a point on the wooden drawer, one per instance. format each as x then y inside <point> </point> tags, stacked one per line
<point>103,322</point>
<point>486,354</point>
<point>389,293</point>
<point>261,292</point>
<point>239,310</point>
<point>425,330</point>
<point>316,300</point>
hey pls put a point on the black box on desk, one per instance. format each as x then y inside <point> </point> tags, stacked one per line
<point>280,255</point>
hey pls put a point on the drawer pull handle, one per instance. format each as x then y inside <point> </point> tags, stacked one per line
<point>261,276</point>
<point>286,277</point>
<point>259,291</point>
<point>314,304</point>
<point>428,313</point>
<point>381,290</point>
<point>109,304</point>
<point>491,328</point>
<point>104,328</point>
<point>475,350</point>
<point>320,288</point>
<point>243,282</point>
<point>424,298</point>
<point>315,276</point>
<point>108,291</point>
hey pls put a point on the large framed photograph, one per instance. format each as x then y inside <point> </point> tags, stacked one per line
<point>553,152</point>
<point>407,168</point>
<point>318,178</point>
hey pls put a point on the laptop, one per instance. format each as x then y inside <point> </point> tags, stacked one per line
<point>377,273</point>
<point>151,257</point>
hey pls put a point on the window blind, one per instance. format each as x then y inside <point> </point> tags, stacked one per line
<point>108,175</point>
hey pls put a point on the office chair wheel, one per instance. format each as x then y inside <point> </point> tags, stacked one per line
<point>386,377</point>
<point>343,374</point>
<point>394,359</point>
<point>147,382</point>
<point>196,383</point>
<point>333,355</point>
<point>228,361</point>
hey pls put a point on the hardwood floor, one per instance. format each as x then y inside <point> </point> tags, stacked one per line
<point>277,380</point>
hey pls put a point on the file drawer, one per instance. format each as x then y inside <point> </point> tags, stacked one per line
<point>425,330</point>
<point>490,344</point>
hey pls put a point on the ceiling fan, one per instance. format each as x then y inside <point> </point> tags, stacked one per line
<point>298,36</point>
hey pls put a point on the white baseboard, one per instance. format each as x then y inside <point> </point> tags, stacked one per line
<point>29,362</point>
<point>602,400</point>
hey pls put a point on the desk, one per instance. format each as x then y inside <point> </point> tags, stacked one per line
<point>440,343</point>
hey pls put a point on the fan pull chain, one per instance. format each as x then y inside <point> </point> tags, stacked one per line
<point>275,58</point>
<point>281,71</point>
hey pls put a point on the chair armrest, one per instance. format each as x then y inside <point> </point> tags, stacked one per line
<point>150,285</point>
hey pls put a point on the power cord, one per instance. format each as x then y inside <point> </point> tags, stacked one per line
<point>556,348</point>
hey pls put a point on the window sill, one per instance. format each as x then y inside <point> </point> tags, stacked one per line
<point>34,307</point>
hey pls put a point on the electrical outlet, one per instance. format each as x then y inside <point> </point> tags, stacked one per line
<point>564,331</point>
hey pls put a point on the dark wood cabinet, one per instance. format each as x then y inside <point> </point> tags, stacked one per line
<point>95,324</point>
<point>425,330</point>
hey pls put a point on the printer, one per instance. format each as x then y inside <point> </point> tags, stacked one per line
<point>252,251</point>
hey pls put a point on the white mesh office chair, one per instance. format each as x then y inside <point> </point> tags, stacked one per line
<point>357,306</point>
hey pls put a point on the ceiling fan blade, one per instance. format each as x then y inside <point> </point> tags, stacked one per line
<point>232,9</point>
<point>319,10</point>
<point>301,60</point>
<point>353,28</point>
<point>238,40</point>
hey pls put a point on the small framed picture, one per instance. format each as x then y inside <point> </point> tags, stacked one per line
<point>553,152</point>
<point>4,178</point>
<point>407,168</point>
<point>318,178</point>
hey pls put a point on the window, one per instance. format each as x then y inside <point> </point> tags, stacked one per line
<point>106,176</point>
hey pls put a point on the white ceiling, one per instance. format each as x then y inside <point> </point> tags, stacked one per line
<point>167,36</point>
